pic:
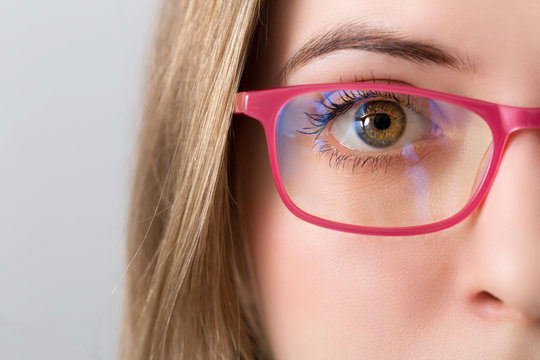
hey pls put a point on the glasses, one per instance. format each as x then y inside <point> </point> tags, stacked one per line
<point>382,159</point>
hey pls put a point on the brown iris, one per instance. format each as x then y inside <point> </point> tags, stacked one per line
<point>380,123</point>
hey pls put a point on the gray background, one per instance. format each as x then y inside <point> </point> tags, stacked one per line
<point>71,75</point>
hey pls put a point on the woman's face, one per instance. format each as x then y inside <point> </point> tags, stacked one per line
<point>468,292</point>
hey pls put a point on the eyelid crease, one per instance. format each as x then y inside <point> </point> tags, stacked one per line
<point>351,98</point>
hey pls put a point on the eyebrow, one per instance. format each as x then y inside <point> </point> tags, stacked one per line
<point>359,36</point>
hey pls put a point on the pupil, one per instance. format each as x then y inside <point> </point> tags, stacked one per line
<point>382,121</point>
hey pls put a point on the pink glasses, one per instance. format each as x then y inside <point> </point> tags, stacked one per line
<point>382,159</point>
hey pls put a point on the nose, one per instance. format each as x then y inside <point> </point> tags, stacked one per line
<point>500,276</point>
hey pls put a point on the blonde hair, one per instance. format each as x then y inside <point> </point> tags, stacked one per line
<point>188,293</point>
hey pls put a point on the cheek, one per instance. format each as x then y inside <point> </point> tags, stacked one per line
<point>327,292</point>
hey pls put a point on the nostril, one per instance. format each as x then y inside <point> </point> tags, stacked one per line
<point>487,297</point>
<point>490,307</point>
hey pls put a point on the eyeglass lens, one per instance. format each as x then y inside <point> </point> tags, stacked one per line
<point>380,159</point>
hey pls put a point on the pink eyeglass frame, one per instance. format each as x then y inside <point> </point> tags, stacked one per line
<point>266,105</point>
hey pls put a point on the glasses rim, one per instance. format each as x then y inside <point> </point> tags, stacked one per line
<point>265,106</point>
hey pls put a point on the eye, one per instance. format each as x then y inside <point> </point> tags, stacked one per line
<point>379,123</point>
<point>376,125</point>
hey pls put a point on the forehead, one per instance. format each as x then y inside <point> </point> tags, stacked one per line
<point>499,37</point>
<point>460,22</point>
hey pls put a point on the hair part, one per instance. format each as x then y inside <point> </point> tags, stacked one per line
<point>188,285</point>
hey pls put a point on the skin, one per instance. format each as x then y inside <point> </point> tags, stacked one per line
<point>468,292</point>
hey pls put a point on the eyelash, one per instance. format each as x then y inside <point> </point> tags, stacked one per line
<point>350,98</point>
<point>338,159</point>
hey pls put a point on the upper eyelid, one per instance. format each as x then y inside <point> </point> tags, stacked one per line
<point>364,95</point>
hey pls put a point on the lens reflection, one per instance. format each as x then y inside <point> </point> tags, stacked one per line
<point>380,159</point>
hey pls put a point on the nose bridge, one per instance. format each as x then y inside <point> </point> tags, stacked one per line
<point>515,118</point>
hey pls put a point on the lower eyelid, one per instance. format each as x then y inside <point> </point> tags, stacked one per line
<point>395,159</point>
